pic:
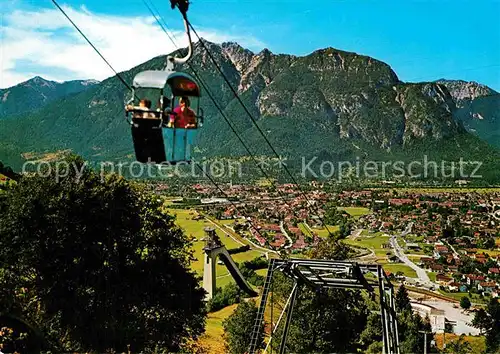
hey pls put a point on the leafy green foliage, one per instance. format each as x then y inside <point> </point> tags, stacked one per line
<point>481,320</point>
<point>102,267</point>
<point>251,276</point>
<point>256,263</point>
<point>410,326</point>
<point>459,346</point>
<point>373,331</point>
<point>330,248</point>
<point>465,303</point>
<point>320,325</point>
<point>402,300</point>
<point>334,216</point>
<point>490,321</point>
<point>229,295</point>
<point>239,326</point>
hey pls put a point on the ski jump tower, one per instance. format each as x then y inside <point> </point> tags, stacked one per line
<point>215,248</point>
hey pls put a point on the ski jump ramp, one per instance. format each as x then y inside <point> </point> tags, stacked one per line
<point>215,248</point>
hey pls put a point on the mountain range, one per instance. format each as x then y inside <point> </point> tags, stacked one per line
<point>37,92</point>
<point>331,104</point>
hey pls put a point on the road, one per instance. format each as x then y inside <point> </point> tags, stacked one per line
<point>399,252</point>
<point>452,249</point>
<point>283,231</point>
<point>370,257</point>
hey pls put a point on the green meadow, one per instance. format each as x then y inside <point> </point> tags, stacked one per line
<point>356,212</point>
<point>372,242</point>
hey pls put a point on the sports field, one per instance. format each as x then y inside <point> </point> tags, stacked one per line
<point>394,268</point>
<point>356,212</point>
<point>321,231</point>
<point>491,253</point>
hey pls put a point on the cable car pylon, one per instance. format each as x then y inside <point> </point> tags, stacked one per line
<point>329,274</point>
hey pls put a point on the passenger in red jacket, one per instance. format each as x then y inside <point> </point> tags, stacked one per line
<point>183,117</point>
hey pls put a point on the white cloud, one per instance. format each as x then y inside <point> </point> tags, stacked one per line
<point>47,43</point>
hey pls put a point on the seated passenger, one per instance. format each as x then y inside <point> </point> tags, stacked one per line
<point>183,116</point>
<point>144,105</point>
<point>164,108</point>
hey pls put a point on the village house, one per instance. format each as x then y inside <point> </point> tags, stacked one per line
<point>457,287</point>
<point>440,250</point>
<point>486,287</point>
<point>474,280</point>
<point>426,262</point>
<point>279,241</point>
<point>443,279</point>
<point>494,271</point>
<point>412,246</point>
<point>436,267</point>
<point>399,202</point>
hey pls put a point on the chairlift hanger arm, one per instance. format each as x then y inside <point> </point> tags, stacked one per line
<point>183,6</point>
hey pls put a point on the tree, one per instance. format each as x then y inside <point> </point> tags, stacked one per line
<point>320,325</point>
<point>238,328</point>
<point>467,265</point>
<point>465,303</point>
<point>375,348</point>
<point>345,227</point>
<point>103,265</point>
<point>489,243</point>
<point>493,331</point>
<point>459,346</point>
<point>331,249</point>
<point>373,330</point>
<point>481,320</point>
<point>226,296</point>
<point>402,300</point>
<point>410,326</point>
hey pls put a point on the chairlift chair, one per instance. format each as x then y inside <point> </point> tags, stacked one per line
<point>155,141</point>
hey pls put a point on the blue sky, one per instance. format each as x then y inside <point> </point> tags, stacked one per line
<point>420,40</point>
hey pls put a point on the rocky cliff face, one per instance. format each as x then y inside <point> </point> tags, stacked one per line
<point>462,91</point>
<point>356,96</point>
<point>478,108</point>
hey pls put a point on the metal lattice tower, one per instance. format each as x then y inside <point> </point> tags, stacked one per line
<point>322,274</point>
